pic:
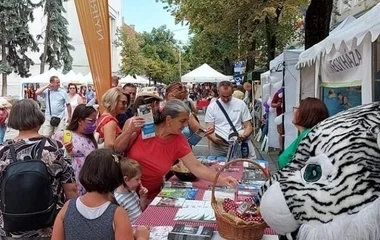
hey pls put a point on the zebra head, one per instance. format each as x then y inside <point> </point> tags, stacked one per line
<point>335,173</point>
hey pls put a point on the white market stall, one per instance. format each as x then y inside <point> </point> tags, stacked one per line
<point>343,66</point>
<point>134,80</point>
<point>282,74</point>
<point>203,74</point>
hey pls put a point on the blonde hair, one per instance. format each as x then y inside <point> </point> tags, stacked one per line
<point>130,168</point>
<point>111,97</point>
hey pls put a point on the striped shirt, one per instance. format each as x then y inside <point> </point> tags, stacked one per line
<point>130,201</point>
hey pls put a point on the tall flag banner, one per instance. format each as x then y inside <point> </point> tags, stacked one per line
<point>93,18</point>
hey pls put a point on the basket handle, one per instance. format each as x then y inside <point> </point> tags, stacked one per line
<point>266,174</point>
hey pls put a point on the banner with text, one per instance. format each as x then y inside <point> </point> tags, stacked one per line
<point>346,67</point>
<point>93,18</point>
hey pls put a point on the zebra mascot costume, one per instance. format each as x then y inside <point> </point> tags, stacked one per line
<point>330,190</point>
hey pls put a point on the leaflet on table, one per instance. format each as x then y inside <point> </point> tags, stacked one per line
<point>148,129</point>
<point>218,195</point>
<point>182,231</point>
<point>196,204</point>
<point>176,193</point>
<point>178,184</point>
<point>167,202</point>
<point>195,214</point>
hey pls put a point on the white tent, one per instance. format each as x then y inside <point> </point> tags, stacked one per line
<point>343,59</point>
<point>289,77</point>
<point>204,73</point>
<point>130,79</point>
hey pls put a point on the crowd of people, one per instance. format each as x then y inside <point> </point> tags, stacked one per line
<point>105,173</point>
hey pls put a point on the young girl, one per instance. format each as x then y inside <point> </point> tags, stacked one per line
<point>93,216</point>
<point>126,194</point>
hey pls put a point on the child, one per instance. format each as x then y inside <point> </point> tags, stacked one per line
<point>126,194</point>
<point>93,216</point>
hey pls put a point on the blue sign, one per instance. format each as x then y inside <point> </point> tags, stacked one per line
<point>239,70</point>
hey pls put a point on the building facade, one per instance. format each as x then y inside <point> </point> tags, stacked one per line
<point>355,8</point>
<point>80,61</point>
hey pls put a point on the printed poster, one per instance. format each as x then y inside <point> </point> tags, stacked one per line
<point>343,98</point>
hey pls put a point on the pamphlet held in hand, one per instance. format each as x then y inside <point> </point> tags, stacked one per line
<point>196,137</point>
<point>148,130</point>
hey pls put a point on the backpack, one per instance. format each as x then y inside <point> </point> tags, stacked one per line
<point>27,201</point>
<point>3,115</point>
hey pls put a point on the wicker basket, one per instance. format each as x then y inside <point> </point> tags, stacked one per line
<point>229,227</point>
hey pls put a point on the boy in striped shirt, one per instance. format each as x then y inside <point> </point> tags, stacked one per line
<point>126,195</point>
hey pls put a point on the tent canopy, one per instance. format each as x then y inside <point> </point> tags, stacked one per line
<point>348,32</point>
<point>204,73</point>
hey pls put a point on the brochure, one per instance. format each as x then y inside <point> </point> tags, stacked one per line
<point>218,195</point>
<point>178,184</point>
<point>159,232</point>
<point>196,204</point>
<point>167,202</point>
<point>182,231</point>
<point>176,193</point>
<point>195,214</point>
<point>148,129</point>
<point>196,137</point>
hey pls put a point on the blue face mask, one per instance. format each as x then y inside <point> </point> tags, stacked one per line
<point>90,128</point>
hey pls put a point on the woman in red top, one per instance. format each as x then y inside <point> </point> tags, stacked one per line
<point>115,102</point>
<point>156,155</point>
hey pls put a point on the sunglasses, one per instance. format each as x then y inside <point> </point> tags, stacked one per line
<point>124,102</point>
<point>72,88</point>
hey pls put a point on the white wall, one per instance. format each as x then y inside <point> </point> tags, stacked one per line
<point>353,8</point>
<point>80,63</point>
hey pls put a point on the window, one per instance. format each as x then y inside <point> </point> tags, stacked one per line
<point>376,60</point>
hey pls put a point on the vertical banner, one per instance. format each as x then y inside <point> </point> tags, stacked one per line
<point>93,18</point>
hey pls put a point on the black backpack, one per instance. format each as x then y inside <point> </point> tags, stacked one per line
<point>27,199</point>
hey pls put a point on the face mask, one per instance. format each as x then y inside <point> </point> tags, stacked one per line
<point>90,128</point>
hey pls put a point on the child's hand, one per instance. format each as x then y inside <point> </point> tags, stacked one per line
<point>143,192</point>
<point>68,146</point>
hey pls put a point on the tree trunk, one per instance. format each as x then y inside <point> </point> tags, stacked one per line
<point>317,22</point>
<point>251,58</point>
<point>228,67</point>
<point>271,42</point>
<point>43,57</point>
<point>4,75</point>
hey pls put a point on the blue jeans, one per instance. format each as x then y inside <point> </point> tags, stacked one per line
<point>3,129</point>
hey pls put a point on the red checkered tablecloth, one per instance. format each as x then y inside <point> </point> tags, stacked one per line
<point>164,216</point>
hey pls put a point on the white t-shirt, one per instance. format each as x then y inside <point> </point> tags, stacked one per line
<point>236,109</point>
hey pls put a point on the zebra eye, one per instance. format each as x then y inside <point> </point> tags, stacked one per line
<point>313,173</point>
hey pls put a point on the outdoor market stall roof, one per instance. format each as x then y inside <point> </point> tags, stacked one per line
<point>351,31</point>
<point>204,73</point>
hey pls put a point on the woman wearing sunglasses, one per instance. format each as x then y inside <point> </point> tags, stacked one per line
<point>115,102</point>
<point>74,98</point>
<point>82,142</point>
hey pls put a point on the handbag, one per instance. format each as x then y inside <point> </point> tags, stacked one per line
<point>54,121</point>
<point>237,148</point>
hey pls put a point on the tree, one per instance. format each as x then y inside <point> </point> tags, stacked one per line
<point>317,22</point>
<point>132,58</point>
<point>57,48</point>
<point>161,54</point>
<point>261,26</point>
<point>15,39</point>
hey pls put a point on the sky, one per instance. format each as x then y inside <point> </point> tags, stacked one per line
<point>147,14</point>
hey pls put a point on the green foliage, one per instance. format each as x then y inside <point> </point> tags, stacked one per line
<point>15,39</point>
<point>154,54</point>
<point>132,58</point>
<point>257,25</point>
<point>56,43</point>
